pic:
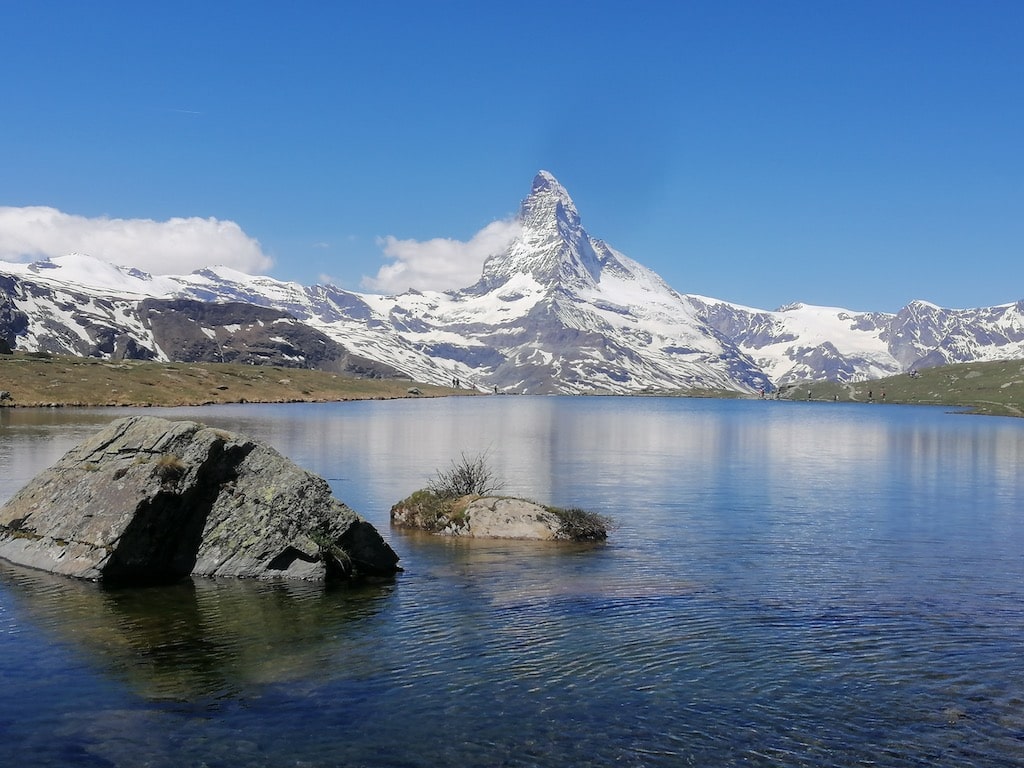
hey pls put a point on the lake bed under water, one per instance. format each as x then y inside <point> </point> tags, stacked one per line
<point>786,584</point>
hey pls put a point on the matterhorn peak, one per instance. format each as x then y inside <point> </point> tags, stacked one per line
<point>553,248</point>
<point>548,201</point>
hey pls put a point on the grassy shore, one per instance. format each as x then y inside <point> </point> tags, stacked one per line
<point>994,388</point>
<point>35,380</point>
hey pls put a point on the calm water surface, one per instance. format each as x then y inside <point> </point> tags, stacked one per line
<point>788,584</point>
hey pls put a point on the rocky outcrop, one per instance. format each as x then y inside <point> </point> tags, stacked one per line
<point>496,517</point>
<point>235,332</point>
<point>149,500</point>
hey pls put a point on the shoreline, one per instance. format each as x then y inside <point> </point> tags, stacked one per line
<point>34,380</point>
<point>29,380</point>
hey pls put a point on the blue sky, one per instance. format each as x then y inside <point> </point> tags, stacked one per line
<point>857,154</point>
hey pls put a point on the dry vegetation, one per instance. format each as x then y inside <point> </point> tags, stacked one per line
<point>36,380</point>
<point>443,503</point>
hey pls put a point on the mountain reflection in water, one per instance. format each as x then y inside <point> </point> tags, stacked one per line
<point>799,584</point>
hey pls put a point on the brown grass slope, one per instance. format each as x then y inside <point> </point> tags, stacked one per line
<point>995,388</point>
<point>36,380</point>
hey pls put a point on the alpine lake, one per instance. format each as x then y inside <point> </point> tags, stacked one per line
<point>786,584</point>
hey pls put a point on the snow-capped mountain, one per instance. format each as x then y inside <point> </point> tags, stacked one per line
<point>79,306</point>
<point>806,343</point>
<point>560,311</point>
<point>557,311</point>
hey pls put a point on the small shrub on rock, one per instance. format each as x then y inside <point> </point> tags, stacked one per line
<point>580,525</point>
<point>428,511</point>
<point>465,477</point>
<point>448,502</point>
<point>170,468</point>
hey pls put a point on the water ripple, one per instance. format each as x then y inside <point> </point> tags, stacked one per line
<point>782,589</point>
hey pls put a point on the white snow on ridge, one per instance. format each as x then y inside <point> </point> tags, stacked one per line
<point>817,325</point>
<point>795,341</point>
<point>558,311</point>
<point>92,275</point>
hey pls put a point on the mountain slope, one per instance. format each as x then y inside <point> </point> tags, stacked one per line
<point>80,306</point>
<point>806,343</point>
<point>560,311</point>
<point>557,311</point>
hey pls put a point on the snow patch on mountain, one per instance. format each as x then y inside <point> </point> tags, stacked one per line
<point>92,275</point>
<point>557,311</point>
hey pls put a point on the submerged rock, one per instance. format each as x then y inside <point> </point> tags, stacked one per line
<point>150,500</point>
<point>496,517</point>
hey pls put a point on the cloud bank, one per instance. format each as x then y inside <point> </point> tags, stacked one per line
<point>173,247</point>
<point>441,263</point>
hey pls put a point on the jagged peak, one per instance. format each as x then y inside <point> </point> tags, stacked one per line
<point>552,247</point>
<point>545,181</point>
<point>548,200</point>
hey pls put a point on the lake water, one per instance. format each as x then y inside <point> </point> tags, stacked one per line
<point>797,584</point>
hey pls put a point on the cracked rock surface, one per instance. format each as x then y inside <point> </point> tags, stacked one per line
<point>147,500</point>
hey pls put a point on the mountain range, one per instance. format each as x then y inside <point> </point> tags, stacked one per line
<point>558,311</point>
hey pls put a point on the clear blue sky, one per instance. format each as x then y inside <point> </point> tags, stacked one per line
<point>858,154</point>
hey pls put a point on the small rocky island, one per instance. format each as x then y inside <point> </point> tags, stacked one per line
<point>147,500</point>
<point>461,502</point>
<point>496,517</point>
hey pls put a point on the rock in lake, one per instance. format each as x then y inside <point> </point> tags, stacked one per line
<point>150,500</point>
<point>496,517</point>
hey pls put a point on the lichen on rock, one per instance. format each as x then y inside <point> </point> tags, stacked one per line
<point>152,500</point>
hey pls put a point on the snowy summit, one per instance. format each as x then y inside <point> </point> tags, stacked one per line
<point>557,311</point>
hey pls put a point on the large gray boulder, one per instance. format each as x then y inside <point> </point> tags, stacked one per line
<point>151,500</point>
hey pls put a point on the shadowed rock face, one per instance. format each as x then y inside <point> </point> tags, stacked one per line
<point>149,500</point>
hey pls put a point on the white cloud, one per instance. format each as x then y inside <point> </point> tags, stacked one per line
<point>441,263</point>
<point>175,246</point>
<point>325,279</point>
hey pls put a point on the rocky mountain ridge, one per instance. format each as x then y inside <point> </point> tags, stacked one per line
<point>558,311</point>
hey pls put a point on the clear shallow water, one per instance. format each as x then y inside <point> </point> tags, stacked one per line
<point>788,584</point>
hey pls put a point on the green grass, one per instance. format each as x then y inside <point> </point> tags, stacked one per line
<point>41,380</point>
<point>992,388</point>
<point>430,511</point>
